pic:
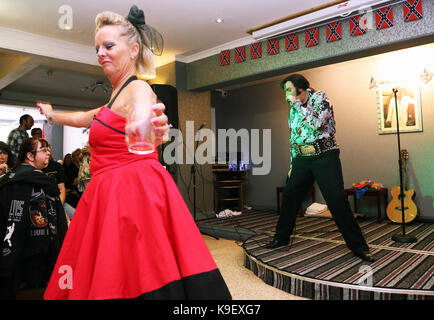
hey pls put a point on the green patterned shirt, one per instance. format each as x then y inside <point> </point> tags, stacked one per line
<point>312,121</point>
<point>15,139</point>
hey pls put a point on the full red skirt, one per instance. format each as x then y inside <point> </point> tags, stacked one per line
<point>132,234</point>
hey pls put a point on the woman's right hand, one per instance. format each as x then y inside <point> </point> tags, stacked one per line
<point>45,108</point>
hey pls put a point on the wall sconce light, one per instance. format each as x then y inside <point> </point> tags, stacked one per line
<point>426,76</point>
<point>146,77</point>
<point>373,83</point>
<point>97,84</point>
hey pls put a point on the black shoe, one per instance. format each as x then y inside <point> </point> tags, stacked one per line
<point>364,255</point>
<point>275,243</point>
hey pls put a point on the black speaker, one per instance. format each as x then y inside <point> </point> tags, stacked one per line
<point>169,96</point>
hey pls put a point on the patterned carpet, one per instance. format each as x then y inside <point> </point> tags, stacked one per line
<point>318,265</point>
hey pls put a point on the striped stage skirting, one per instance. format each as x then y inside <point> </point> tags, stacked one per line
<point>318,265</point>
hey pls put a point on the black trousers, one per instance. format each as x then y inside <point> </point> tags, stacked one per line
<point>326,169</point>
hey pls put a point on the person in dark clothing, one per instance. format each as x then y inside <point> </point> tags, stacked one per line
<point>32,222</point>
<point>71,175</point>
<point>67,169</point>
<point>7,161</point>
<point>17,136</point>
<point>315,157</point>
<point>55,171</point>
<point>71,168</point>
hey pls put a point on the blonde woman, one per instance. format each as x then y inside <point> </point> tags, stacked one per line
<point>132,235</point>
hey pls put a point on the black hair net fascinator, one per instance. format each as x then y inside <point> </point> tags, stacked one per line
<point>150,37</point>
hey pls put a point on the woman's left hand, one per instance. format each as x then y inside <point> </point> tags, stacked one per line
<point>161,127</point>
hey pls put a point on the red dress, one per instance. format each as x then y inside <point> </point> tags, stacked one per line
<point>132,235</point>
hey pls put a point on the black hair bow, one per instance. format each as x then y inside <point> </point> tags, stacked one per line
<point>152,39</point>
<point>136,16</point>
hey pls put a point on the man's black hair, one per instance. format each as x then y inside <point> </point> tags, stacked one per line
<point>24,118</point>
<point>297,80</point>
<point>28,145</point>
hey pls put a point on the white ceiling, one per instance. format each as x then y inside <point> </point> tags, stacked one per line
<point>187,26</point>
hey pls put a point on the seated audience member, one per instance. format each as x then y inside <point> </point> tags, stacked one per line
<point>84,170</point>
<point>55,171</point>
<point>32,222</point>
<point>36,133</point>
<point>6,159</point>
<point>71,173</point>
<point>17,135</point>
<point>66,164</point>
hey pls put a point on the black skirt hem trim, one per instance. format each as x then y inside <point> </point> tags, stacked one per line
<point>208,285</point>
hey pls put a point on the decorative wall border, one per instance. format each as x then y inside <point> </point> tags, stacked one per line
<point>207,73</point>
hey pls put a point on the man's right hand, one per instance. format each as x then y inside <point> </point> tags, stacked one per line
<point>290,98</point>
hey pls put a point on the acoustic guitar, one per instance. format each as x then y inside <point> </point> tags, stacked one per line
<point>393,211</point>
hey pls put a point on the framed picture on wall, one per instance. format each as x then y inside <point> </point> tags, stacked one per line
<point>409,108</point>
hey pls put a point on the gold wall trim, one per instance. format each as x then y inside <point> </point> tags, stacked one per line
<point>296,15</point>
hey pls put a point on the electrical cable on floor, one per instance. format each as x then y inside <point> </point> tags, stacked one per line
<point>260,243</point>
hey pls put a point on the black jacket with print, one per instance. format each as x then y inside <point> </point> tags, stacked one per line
<point>32,226</point>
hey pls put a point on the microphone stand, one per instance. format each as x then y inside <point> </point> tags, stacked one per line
<point>193,173</point>
<point>404,238</point>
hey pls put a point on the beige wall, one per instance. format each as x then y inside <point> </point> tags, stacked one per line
<point>165,75</point>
